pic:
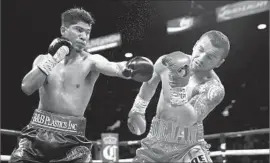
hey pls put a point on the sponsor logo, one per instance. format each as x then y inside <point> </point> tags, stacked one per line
<point>48,121</point>
<point>198,159</point>
<point>110,147</point>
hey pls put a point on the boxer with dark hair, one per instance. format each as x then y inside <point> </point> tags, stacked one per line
<point>65,78</point>
<point>190,91</point>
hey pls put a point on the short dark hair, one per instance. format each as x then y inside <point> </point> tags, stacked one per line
<point>74,15</point>
<point>219,40</point>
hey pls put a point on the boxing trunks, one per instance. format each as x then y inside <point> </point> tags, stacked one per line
<point>166,142</point>
<point>52,138</point>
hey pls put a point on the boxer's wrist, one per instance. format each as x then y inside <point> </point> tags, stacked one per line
<point>139,106</point>
<point>178,96</point>
<point>47,64</point>
<point>121,70</point>
<point>126,73</point>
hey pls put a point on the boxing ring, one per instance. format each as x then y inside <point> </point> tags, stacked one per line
<point>221,136</point>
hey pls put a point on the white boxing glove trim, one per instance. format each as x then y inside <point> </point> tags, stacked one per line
<point>47,64</point>
<point>61,53</point>
<point>139,105</point>
<point>178,96</point>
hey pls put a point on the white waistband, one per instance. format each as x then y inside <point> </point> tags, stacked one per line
<point>170,131</point>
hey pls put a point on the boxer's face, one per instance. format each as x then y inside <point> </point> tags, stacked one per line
<point>205,56</point>
<point>78,34</point>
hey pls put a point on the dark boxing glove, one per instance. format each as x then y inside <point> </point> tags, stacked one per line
<point>59,48</point>
<point>139,69</point>
<point>57,51</point>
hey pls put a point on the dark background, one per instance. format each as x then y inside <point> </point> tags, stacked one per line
<point>28,27</point>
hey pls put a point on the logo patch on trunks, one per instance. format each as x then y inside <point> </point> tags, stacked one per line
<point>45,120</point>
<point>80,152</point>
<point>200,158</point>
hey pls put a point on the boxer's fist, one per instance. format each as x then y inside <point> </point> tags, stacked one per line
<point>136,123</point>
<point>59,48</point>
<point>178,65</point>
<point>139,69</point>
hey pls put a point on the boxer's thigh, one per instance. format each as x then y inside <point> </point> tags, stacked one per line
<point>143,155</point>
<point>25,152</point>
<point>149,154</point>
<point>196,154</point>
<point>76,149</point>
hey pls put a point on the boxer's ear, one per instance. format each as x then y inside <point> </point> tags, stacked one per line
<point>220,63</point>
<point>63,30</point>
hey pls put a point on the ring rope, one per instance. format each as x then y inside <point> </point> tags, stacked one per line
<point>247,152</point>
<point>137,142</point>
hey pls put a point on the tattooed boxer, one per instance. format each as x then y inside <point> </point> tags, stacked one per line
<point>190,91</point>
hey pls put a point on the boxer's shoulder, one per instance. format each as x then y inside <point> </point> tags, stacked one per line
<point>213,89</point>
<point>159,67</point>
<point>96,58</point>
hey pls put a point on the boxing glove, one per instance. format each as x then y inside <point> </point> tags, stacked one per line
<point>59,48</point>
<point>57,51</point>
<point>139,69</point>
<point>178,65</point>
<point>136,116</point>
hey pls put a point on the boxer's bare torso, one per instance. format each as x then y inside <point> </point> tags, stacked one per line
<point>199,90</point>
<point>68,88</point>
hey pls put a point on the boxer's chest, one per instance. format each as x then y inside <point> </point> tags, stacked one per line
<point>193,87</point>
<point>68,75</point>
<point>196,89</point>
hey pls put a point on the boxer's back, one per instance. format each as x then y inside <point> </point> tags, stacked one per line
<point>68,89</point>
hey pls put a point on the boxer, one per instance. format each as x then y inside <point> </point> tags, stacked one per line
<point>65,78</point>
<point>190,91</point>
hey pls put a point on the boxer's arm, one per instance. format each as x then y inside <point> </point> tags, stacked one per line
<point>136,116</point>
<point>208,99</point>
<point>34,79</point>
<point>102,65</point>
<point>148,89</point>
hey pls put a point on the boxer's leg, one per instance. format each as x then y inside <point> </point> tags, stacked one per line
<point>76,149</point>
<point>196,154</point>
<point>25,150</point>
<point>143,155</point>
<point>150,151</point>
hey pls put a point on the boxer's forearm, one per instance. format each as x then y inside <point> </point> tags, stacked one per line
<point>148,88</point>
<point>147,91</point>
<point>33,81</point>
<point>108,68</point>
<point>115,69</point>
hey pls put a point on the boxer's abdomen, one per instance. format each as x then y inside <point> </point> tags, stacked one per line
<point>65,102</point>
<point>183,115</point>
<point>69,97</point>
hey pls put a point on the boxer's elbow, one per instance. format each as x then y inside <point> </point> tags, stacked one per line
<point>27,88</point>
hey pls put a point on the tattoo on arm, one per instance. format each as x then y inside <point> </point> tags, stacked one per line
<point>210,95</point>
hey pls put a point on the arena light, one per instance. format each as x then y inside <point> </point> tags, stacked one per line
<point>103,47</point>
<point>128,55</point>
<point>261,26</point>
<point>241,9</point>
<point>104,42</point>
<point>226,113</point>
<point>180,24</point>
